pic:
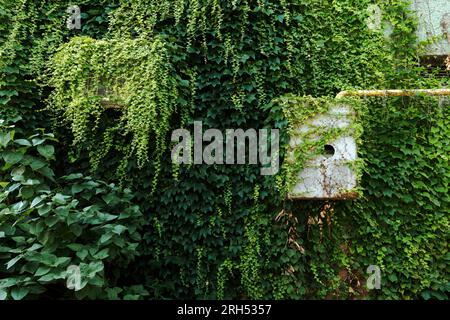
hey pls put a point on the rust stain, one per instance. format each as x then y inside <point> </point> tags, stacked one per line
<point>445,25</point>
<point>352,195</point>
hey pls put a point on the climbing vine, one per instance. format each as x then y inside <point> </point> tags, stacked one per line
<point>135,76</point>
<point>209,232</point>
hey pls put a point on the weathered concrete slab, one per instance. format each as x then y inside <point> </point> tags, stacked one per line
<point>328,175</point>
<point>434,21</point>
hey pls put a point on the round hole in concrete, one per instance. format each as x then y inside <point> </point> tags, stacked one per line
<point>329,151</point>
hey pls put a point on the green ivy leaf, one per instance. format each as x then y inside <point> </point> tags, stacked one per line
<point>13,261</point>
<point>37,164</point>
<point>12,158</point>
<point>18,293</point>
<point>393,278</point>
<point>23,142</point>
<point>76,188</point>
<point>36,201</point>
<point>47,151</point>
<point>103,254</point>
<point>60,198</point>
<point>5,138</point>
<point>37,141</point>
<point>42,271</point>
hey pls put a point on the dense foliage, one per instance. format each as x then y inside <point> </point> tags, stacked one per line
<point>133,74</point>
<point>203,231</point>
<point>49,224</point>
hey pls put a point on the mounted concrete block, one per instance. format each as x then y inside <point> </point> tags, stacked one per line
<point>434,21</point>
<point>329,174</point>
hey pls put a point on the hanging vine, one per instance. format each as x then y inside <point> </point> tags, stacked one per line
<point>225,61</point>
<point>89,76</point>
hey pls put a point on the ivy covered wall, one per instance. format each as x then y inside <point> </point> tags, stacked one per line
<point>204,231</point>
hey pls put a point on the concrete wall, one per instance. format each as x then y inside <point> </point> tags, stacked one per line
<point>434,20</point>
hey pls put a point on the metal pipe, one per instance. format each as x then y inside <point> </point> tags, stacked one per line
<point>394,93</point>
